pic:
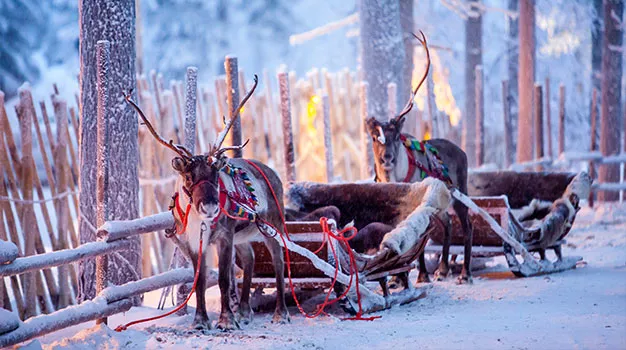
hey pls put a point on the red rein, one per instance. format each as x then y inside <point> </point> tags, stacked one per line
<point>340,236</point>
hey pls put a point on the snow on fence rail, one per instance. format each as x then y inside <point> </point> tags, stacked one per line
<point>112,300</point>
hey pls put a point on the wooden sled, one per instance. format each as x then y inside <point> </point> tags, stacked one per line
<point>311,270</point>
<point>496,226</point>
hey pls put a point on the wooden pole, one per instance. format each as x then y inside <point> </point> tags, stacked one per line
<point>561,119</point>
<point>103,57</point>
<point>548,119</point>
<point>328,142</point>
<point>27,214</point>
<point>232,98</point>
<point>593,146</point>
<point>191,90</point>
<point>480,117</point>
<point>538,100</point>
<point>392,96</point>
<point>367,165</point>
<point>285,110</point>
<point>508,142</point>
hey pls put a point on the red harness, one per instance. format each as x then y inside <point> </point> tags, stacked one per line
<point>184,215</point>
<point>414,164</point>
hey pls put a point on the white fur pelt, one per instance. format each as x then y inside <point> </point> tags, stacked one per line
<point>580,186</point>
<point>525,212</point>
<point>427,197</point>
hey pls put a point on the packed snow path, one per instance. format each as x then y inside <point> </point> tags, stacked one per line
<point>581,308</point>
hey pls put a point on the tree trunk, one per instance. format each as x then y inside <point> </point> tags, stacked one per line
<point>512,49</point>
<point>113,21</point>
<point>611,122</point>
<point>382,52</point>
<point>407,25</point>
<point>526,79</point>
<point>473,58</point>
<point>596,46</point>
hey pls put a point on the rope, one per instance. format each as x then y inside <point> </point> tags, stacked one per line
<point>340,236</point>
<point>39,201</point>
<point>195,282</point>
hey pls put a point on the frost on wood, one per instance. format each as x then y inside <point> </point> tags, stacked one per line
<point>115,22</point>
<point>232,99</point>
<point>61,257</point>
<point>367,167</point>
<point>8,252</point>
<point>328,141</point>
<point>473,58</point>
<point>285,111</point>
<point>8,321</point>
<point>72,315</point>
<point>382,53</point>
<point>115,230</point>
<point>191,91</point>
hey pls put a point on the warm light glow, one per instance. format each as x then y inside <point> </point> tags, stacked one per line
<point>444,100</point>
<point>315,99</point>
<point>427,135</point>
<point>242,109</point>
<point>311,113</point>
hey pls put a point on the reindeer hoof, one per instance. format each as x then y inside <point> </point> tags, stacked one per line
<point>245,314</point>
<point>201,323</point>
<point>281,317</point>
<point>440,276</point>
<point>227,323</point>
<point>465,280</point>
<point>423,278</point>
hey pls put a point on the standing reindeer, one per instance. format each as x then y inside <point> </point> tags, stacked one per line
<point>210,184</point>
<point>397,156</point>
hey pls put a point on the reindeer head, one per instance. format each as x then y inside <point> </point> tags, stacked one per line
<point>386,135</point>
<point>199,173</point>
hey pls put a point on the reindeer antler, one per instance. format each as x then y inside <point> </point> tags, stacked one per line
<point>217,150</point>
<point>179,149</point>
<point>409,104</point>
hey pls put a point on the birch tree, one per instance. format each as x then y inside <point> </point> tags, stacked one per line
<point>113,21</point>
<point>473,58</point>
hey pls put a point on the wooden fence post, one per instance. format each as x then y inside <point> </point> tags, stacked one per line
<point>191,90</point>
<point>232,98</point>
<point>506,113</point>
<point>103,57</point>
<point>561,119</point>
<point>480,117</point>
<point>538,101</point>
<point>328,141</point>
<point>285,111</point>
<point>593,145</point>
<point>548,119</point>
<point>367,165</point>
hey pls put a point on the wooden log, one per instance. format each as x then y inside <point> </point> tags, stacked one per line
<point>480,116</point>
<point>506,122</point>
<point>285,111</point>
<point>8,251</point>
<point>538,101</point>
<point>367,164</point>
<point>431,107</point>
<point>328,145</point>
<point>45,324</point>
<point>179,111</point>
<point>61,257</point>
<point>113,231</point>
<point>46,119</point>
<point>593,146</point>
<point>232,99</point>
<point>27,214</point>
<point>548,119</point>
<point>62,205</point>
<point>191,90</point>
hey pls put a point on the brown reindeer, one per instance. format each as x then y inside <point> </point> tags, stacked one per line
<point>206,186</point>
<point>396,160</point>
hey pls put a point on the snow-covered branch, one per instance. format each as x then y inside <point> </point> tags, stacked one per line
<point>328,28</point>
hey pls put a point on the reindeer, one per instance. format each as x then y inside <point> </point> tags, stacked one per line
<point>396,162</point>
<point>207,191</point>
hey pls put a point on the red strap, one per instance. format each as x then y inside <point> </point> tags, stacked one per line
<point>412,162</point>
<point>182,215</point>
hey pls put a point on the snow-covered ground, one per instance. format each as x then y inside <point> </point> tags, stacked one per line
<point>577,309</point>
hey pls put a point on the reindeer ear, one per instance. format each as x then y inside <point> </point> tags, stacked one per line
<point>399,122</point>
<point>178,164</point>
<point>371,124</point>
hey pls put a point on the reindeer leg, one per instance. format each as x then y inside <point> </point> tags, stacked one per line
<point>542,254</point>
<point>245,254</point>
<point>281,315</point>
<point>234,295</point>
<point>422,276</point>
<point>227,318</point>
<point>201,319</point>
<point>462,212</point>
<point>557,251</point>
<point>444,265</point>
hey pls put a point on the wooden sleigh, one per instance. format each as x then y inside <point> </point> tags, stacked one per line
<point>311,270</point>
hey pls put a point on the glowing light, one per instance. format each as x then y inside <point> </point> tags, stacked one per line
<point>315,99</point>
<point>242,109</point>
<point>311,113</point>
<point>427,135</point>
